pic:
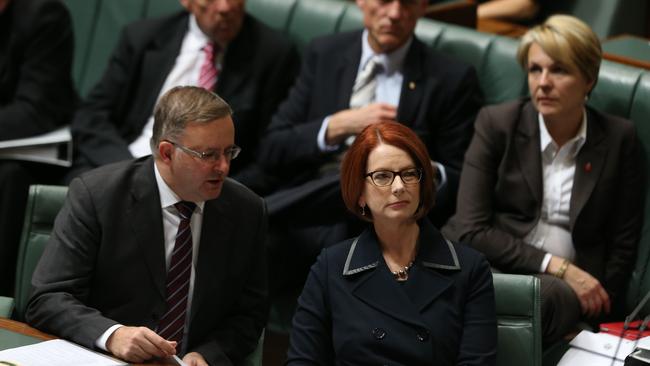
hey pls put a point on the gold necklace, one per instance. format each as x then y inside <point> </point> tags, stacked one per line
<point>402,274</point>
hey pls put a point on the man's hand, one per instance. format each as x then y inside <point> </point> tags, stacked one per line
<point>194,359</point>
<point>138,344</point>
<point>351,121</point>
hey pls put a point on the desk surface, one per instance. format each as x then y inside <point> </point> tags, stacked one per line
<point>16,334</point>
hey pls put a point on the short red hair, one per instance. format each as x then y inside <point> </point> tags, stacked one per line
<point>353,168</point>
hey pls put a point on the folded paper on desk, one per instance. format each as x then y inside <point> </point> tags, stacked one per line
<point>597,349</point>
<point>50,148</point>
<point>54,353</point>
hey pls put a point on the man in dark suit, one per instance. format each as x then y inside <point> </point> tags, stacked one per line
<point>36,96</point>
<point>129,270</point>
<point>255,66</point>
<point>436,96</point>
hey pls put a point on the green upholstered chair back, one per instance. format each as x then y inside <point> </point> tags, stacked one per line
<point>518,307</point>
<point>43,204</point>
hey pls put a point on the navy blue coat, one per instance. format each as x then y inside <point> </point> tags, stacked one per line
<point>352,311</point>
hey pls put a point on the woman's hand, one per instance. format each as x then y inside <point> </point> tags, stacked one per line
<point>593,298</point>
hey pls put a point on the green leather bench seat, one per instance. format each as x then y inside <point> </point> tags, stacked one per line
<point>518,315</point>
<point>43,204</point>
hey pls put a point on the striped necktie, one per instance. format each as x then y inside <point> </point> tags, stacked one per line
<point>363,91</point>
<point>172,324</point>
<point>209,72</point>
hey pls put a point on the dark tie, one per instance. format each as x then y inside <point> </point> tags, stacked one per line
<point>209,72</point>
<point>172,324</point>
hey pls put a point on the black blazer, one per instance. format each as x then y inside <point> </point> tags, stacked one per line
<point>36,49</point>
<point>500,193</point>
<point>258,68</point>
<point>439,100</point>
<point>353,312</point>
<point>105,264</point>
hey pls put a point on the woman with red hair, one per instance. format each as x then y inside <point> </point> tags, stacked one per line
<point>400,292</point>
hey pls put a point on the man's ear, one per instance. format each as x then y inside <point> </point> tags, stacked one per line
<point>165,151</point>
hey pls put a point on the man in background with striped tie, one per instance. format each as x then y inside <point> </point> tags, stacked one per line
<point>162,255</point>
<point>209,43</point>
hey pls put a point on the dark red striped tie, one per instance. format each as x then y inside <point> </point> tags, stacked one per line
<point>172,324</point>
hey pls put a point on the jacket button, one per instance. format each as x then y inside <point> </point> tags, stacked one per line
<point>423,335</point>
<point>378,333</point>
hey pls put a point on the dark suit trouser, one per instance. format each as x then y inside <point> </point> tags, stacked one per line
<point>561,309</point>
<point>15,179</point>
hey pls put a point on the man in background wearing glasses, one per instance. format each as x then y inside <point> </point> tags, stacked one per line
<point>161,255</point>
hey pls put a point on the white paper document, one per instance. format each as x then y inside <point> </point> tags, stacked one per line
<point>51,148</point>
<point>597,349</point>
<point>54,353</point>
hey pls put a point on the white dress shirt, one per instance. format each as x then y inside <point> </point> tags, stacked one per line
<point>186,71</point>
<point>552,232</point>
<point>171,220</point>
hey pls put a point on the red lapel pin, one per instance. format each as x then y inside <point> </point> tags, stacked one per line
<point>587,167</point>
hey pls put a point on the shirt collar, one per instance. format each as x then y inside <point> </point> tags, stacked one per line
<point>546,141</point>
<point>435,251</point>
<point>195,35</point>
<point>391,62</point>
<point>168,197</point>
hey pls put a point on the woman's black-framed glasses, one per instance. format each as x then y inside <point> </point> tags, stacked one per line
<point>229,153</point>
<point>383,178</point>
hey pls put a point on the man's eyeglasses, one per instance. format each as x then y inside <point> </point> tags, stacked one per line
<point>229,153</point>
<point>383,178</point>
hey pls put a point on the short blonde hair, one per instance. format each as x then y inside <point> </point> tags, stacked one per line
<point>567,40</point>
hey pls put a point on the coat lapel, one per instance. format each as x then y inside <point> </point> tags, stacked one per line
<point>211,264</point>
<point>412,88</point>
<point>528,149</point>
<point>435,259</point>
<point>589,164</point>
<point>145,216</point>
<point>346,72</point>
<point>374,284</point>
<point>163,54</point>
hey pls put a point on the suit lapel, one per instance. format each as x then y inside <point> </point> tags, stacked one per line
<point>163,54</point>
<point>589,164</point>
<point>145,216</point>
<point>412,88</point>
<point>215,245</point>
<point>346,72</point>
<point>528,149</point>
<point>236,71</point>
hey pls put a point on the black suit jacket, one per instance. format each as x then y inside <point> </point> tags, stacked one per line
<point>439,100</point>
<point>105,264</point>
<point>36,50</point>
<point>258,68</point>
<point>500,193</point>
<point>352,311</point>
